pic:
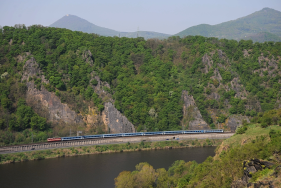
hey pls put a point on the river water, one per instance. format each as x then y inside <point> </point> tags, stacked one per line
<point>98,170</point>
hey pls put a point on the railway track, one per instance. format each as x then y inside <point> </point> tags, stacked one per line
<point>100,141</point>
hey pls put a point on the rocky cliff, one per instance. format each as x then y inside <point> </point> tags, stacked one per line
<point>192,118</point>
<point>46,103</point>
<point>115,121</point>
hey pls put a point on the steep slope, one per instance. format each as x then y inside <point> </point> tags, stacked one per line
<point>99,84</point>
<point>265,20</point>
<point>75,23</point>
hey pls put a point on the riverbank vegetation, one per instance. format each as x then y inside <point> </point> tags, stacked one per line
<point>85,150</point>
<point>223,170</point>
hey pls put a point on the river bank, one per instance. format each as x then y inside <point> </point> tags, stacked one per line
<point>250,158</point>
<point>97,149</point>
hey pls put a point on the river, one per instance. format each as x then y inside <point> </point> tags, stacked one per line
<point>98,170</point>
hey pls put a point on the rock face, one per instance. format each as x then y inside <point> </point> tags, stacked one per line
<point>48,105</point>
<point>116,122</point>
<point>87,56</point>
<point>207,61</point>
<point>44,101</point>
<point>250,167</point>
<point>234,121</point>
<point>191,114</point>
<point>100,88</point>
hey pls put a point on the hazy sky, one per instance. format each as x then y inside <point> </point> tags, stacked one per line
<point>165,16</point>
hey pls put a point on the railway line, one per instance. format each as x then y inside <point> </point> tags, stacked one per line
<point>115,140</point>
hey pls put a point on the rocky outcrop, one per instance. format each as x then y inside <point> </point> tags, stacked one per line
<point>100,88</point>
<point>87,56</point>
<point>115,121</point>
<point>47,103</point>
<point>207,61</point>
<point>234,121</point>
<point>238,88</point>
<point>191,115</point>
<point>251,167</point>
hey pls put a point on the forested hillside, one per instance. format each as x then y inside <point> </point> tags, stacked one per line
<point>157,84</point>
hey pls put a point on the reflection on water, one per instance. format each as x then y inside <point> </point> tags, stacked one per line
<point>91,170</point>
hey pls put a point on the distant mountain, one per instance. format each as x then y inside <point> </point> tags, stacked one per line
<point>263,36</point>
<point>260,26</point>
<point>144,34</point>
<point>75,23</point>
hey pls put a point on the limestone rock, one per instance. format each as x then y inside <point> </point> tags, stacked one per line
<point>87,56</point>
<point>191,113</point>
<point>46,103</point>
<point>100,88</point>
<point>207,61</point>
<point>234,121</point>
<point>115,121</point>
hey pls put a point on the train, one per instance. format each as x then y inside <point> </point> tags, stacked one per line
<point>100,136</point>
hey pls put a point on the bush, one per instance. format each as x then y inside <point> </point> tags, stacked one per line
<point>94,82</point>
<point>221,118</point>
<point>213,126</point>
<point>241,130</point>
<point>264,125</point>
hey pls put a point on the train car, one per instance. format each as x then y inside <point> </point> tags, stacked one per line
<point>214,131</point>
<point>132,134</point>
<point>112,135</point>
<point>92,136</point>
<point>72,138</point>
<point>54,139</point>
<point>173,132</point>
<point>193,131</point>
<point>152,133</point>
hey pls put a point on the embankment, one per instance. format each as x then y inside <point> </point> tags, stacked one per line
<point>96,149</point>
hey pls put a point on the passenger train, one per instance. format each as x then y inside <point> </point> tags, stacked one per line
<point>99,136</point>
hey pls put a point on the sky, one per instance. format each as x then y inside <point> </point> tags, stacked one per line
<point>164,16</point>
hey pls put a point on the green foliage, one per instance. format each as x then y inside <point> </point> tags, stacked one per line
<point>241,130</point>
<point>94,82</point>
<point>228,167</point>
<point>221,118</point>
<point>146,78</point>
<point>272,117</point>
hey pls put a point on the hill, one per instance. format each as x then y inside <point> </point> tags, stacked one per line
<point>75,23</point>
<point>266,20</point>
<point>53,80</point>
<point>263,36</point>
<point>248,159</point>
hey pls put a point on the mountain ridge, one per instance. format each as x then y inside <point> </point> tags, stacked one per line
<point>265,20</point>
<point>76,23</point>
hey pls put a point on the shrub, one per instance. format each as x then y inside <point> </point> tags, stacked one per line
<point>264,125</point>
<point>241,130</point>
<point>212,125</point>
<point>221,118</point>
